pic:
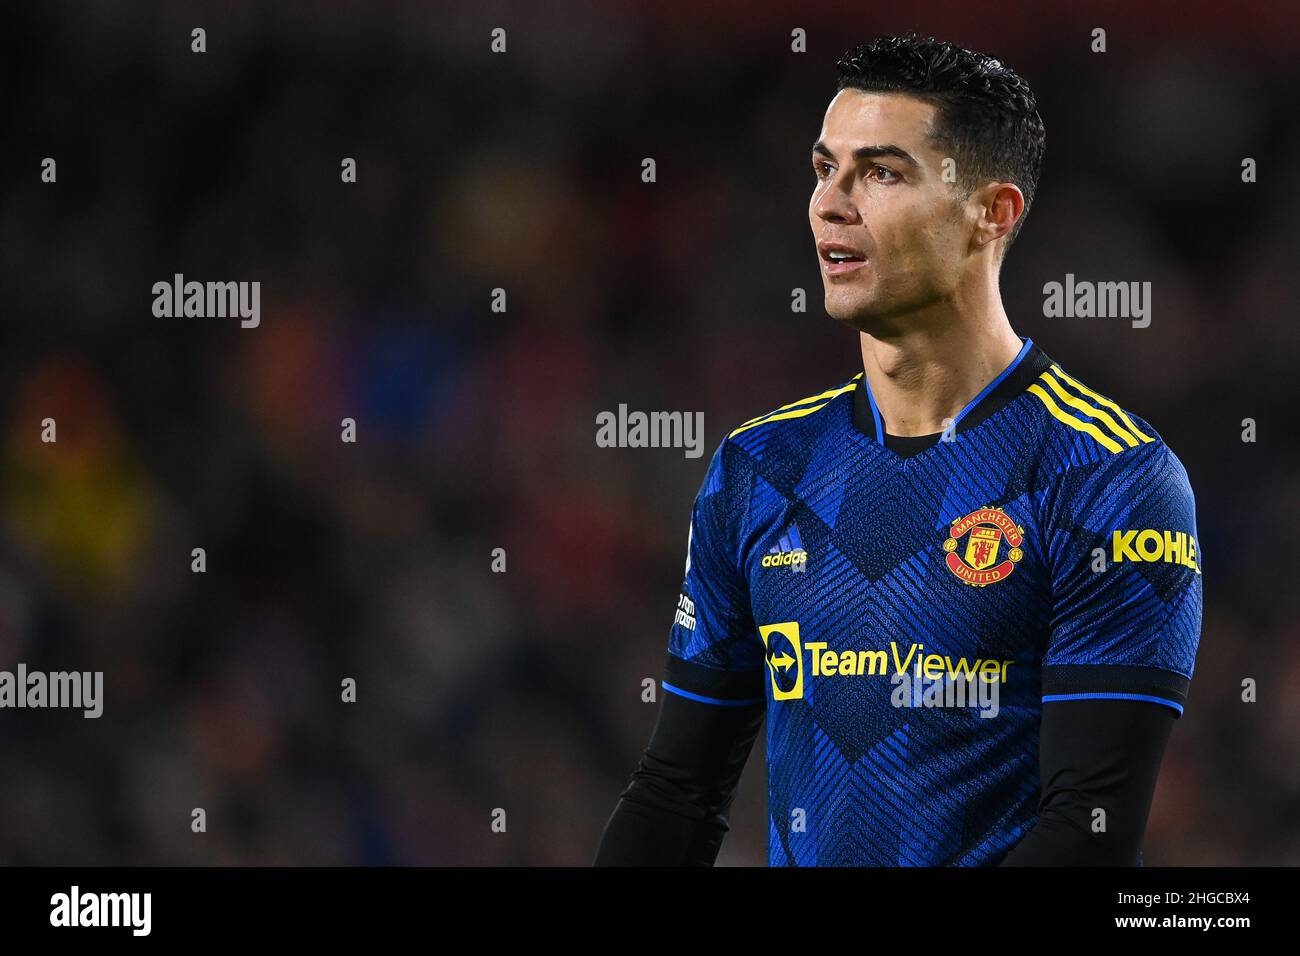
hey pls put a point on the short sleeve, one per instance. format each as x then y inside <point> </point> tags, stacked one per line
<point>714,654</point>
<point>1126,581</point>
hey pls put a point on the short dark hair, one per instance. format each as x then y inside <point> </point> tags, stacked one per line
<point>985,114</point>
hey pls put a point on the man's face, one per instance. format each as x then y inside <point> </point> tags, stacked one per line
<point>880,194</point>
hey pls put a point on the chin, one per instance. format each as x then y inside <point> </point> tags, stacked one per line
<point>862,315</point>
<point>848,310</point>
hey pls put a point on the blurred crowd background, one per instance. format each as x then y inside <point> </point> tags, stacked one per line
<point>476,430</point>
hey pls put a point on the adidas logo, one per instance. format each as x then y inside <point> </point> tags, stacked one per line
<point>788,552</point>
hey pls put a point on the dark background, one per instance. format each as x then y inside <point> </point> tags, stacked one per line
<point>476,430</point>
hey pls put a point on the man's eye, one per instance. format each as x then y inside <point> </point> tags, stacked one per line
<point>884,174</point>
<point>821,169</point>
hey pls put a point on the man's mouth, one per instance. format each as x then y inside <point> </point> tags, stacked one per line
<point>839,258</point>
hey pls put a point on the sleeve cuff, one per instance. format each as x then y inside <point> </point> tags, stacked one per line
<point>712,685</point>
<point>1115,681</point>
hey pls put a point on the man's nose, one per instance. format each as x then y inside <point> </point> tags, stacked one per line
<point>836,205</point>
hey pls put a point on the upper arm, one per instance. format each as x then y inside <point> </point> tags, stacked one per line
<point>676,807</point>
<point>1126,582</point>
<point>714,654</point>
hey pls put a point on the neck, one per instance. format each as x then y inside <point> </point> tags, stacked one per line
<point>923,376</point>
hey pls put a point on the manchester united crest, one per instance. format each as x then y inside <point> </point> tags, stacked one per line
<point>982,559</point>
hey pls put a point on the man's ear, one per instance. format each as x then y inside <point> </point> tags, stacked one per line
<point>998,207</point>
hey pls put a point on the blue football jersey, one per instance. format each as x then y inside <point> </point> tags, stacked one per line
<point>904,612</point>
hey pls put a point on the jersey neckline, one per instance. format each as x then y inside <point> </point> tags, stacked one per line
<point>1030,362</point>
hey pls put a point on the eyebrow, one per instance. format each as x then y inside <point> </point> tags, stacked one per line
<point>869,152</point>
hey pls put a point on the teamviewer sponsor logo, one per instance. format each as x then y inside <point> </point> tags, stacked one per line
<point>919,679</point>
<point>76,908</point>
<point>784,659</point>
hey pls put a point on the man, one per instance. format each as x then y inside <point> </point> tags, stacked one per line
<point>963,513</point>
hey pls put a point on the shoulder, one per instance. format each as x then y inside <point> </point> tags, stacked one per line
<point>1104,454</point>
<point>748,449</point>
<point>1085,426</point>
<point>796,415</point>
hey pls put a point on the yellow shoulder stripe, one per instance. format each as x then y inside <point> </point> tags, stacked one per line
<point>828,394</point>
<point>778,414</point>
<point>1088,410</point>
<point>1105,401</point>
<point>1086,427</point>
<point>796,413</point>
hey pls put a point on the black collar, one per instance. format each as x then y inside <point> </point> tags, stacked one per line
<point>1030,363</point>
